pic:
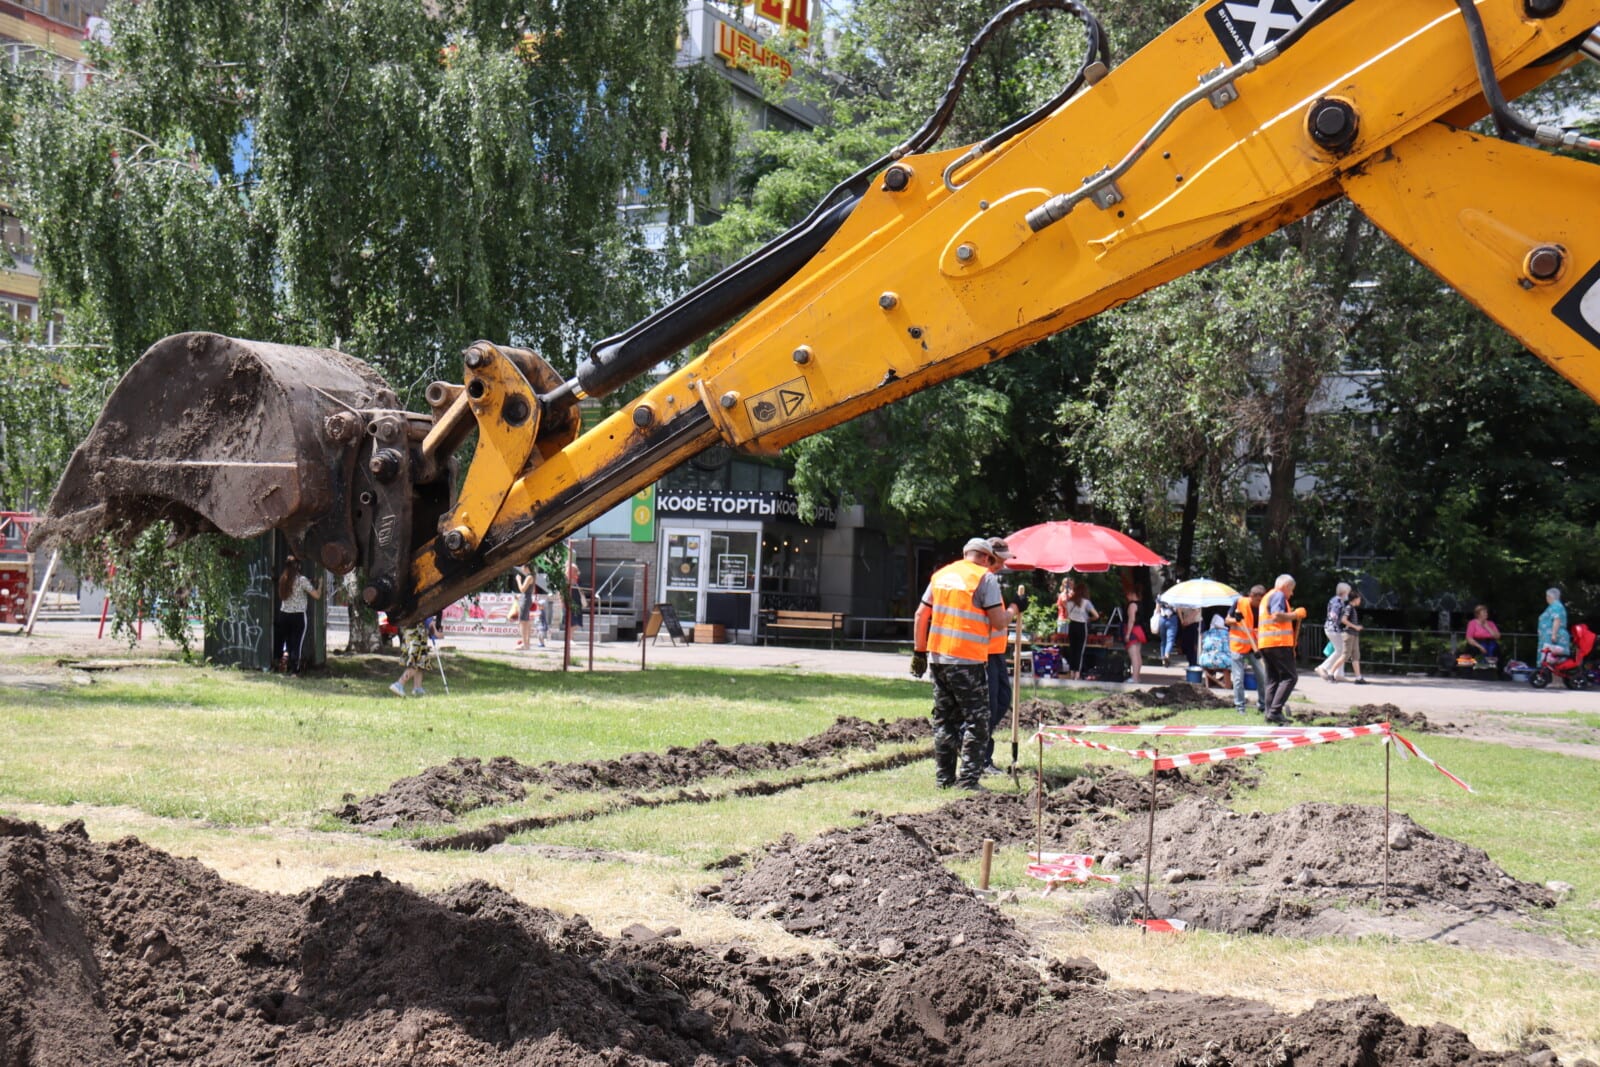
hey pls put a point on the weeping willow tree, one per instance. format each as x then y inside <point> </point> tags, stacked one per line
<point>395,178</point>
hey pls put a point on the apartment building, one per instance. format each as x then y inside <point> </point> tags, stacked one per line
<point>49,33</point>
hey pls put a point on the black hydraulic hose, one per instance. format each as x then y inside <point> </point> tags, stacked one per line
<point>1511,125</point>
<point>1096,47</point>
<point>622,357</point>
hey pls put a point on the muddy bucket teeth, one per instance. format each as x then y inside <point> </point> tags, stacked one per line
<point>215,433</point>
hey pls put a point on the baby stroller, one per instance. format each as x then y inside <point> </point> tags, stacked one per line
<point>1569,669</point>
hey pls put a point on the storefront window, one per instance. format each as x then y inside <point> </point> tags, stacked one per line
<point>790,572</point>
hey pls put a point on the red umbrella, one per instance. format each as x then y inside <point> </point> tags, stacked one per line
<point>1076,546</point>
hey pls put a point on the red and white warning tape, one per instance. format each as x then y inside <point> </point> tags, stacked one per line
<point>1274,739</point>
<point>1333,733</point>
<point>1404,746</point>
<point>1054,868</point>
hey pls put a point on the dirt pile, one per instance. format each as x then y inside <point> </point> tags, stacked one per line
<point>439,794</point>
<point>120,954</point>
<point>876,889</point>
<point>1010,818</point>
<point>1274,873</point>
<point>1134,705</point>
<point>1398,717</point>
<point>968,1008</point>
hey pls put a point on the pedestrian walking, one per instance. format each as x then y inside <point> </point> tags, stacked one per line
<point>1279,619</point>
<point>1333,630</point>
<point>959,612</point>
<point>1352,636</point>
<point>416,644</point>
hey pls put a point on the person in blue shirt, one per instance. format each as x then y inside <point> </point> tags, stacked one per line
<point>1554,640</point>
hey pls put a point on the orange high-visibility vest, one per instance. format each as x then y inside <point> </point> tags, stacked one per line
<point>1237,641</point>
<point>1275,634</point>
<point>959,628</point>
<point>998,639</point>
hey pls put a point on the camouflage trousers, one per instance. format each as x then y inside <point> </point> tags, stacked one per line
<point>960,721</point>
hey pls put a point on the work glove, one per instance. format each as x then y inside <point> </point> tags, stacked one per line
<point>1299,613</point>
<point>919,664</point>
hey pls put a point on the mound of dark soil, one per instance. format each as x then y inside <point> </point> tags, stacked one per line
<point>1134,705</point>
<point>1261,873</point>
<point>878,889</point>
<point>968,1008</point>
<point>1368,713</point>
<point>1010,819</point>
<point>120,954</point>
<point>441,793</point>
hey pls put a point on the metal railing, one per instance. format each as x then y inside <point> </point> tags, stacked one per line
<point>1402,650</point>
<point>898,630</point>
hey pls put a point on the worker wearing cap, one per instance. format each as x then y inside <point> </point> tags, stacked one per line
<point>960,611</point>
<point>999,675</point>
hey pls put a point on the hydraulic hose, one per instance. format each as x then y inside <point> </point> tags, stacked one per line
<point>622,357</point>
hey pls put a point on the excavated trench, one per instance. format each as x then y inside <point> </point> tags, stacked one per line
<point>118,953</point>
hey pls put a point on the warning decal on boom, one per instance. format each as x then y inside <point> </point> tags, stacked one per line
<point>774,407</point>
<point>1580,308</point>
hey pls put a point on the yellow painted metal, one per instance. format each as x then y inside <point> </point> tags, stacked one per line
<point>1216,180</point>
<point>508,418</point>
<point>1474,210</point>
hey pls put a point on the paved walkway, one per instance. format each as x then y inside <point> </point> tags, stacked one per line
<point>1432,696</point>
<point>1436,697</point>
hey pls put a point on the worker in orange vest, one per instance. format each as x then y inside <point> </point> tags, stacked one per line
<point>960,611</point>
<point>999,672</point>
<point>1243,650</point>
<point>1277,637</point>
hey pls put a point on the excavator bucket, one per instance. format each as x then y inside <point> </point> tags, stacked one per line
<point>212,433</point>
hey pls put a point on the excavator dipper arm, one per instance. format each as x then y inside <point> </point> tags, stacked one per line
<point>1236,121</point>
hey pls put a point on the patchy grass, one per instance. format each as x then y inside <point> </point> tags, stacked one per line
<point>249,749</point>
<point>240,770</point>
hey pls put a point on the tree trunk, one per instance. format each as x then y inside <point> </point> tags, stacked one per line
<point>1282,552</point>
<point>363,623</point>
<point>1183,566</point>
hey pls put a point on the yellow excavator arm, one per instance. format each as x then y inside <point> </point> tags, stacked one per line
<point>1236,121</point>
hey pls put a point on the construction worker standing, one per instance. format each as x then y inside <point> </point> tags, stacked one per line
<point>1278,619</point>
<point>960,609</point>
<point>1243,650</point>
<point>999,673</point>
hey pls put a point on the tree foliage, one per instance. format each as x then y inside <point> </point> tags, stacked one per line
<point>392,177</point>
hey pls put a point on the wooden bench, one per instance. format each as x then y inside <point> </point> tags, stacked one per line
<point>813,621</point>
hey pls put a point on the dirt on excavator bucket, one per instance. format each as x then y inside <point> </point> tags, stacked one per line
<point>212,433</point>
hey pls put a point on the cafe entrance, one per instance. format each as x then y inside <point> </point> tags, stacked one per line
<point>710,575</point>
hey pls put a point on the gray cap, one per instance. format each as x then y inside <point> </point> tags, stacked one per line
<point>998,546</point>
<point>978,544</point>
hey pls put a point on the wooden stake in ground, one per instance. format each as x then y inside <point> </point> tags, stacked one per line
<point>988,859</point>
<point>1038,805</point>
<point>1388,746</point>
<point>1016,702</point>
<point>1150,836</point>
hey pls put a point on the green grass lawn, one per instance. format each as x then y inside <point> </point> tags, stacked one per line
<point>243,749</point>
